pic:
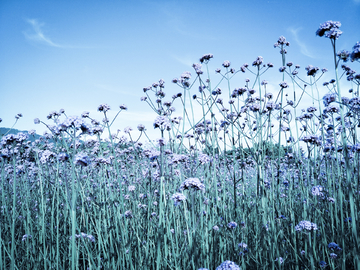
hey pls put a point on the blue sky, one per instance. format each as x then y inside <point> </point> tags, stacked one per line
<point>76,55</point>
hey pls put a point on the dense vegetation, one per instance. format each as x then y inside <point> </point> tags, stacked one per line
<point>253,184</point>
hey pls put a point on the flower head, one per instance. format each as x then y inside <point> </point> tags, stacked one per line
<point>228,265</point>
<point>232,225</point>
<point>192,183</point>
<point>178,198</point>
<point>330,29</point>
<point>355,54</point>
<point>344,55</point>
<point>103,108</point>
<point>162,122</point>
<point>258,61</point>
<point>81,159</point>
<point>306,225</point>
<point>206,57</point>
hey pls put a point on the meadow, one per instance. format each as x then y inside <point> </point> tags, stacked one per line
<point>253,182</point>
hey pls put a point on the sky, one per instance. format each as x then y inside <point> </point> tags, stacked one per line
<point>76,55</point>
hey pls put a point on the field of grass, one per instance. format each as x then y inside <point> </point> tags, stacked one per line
<point>253,183</point>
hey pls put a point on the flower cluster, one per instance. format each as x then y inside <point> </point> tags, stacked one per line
<point>355,54</point>
<point>178,198</point>
<point>82,159</point>
<point>330,29</point>
<point>192,183</point>
<point>306,225</point>
<point>162,122</point>
<point>26,236</point>
<point>317,191</point>
<point>228,265</point>
<point>85,236</point>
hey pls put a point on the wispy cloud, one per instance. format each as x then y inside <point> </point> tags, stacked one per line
<point>186,60</point>
<point>37,35</point>
<point>303,48</point>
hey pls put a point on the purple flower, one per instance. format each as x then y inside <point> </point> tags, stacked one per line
<point>192,183</point>
<point>226,64</point>
<point>123,107</point>
<point>216,228</point>
<point>26,236</point>
<point>317,191</point>
<point>205,58</point>
<point>322,264</point>
<point>162,122</point>
<point>81,159</point>
<point>334,247</point>
<point>178,198</point>
<point>284,85</point>
<point>330,29</point>
<point>242,245</point>
<point>128,214</point>
<point>344,55</point>
<point>329,98</point>
<point>232,225</point>
<point>228,265</point>
<point>311,71</point>
<point>36,121</point>
<point>355,54</point>
<point>280,259</point>
<point>258,61</point>
<point>306,225</point>
<point>281,41</point>
<point>197,68</point>
<point>103,108</point>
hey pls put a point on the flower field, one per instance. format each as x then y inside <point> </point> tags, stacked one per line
<point>253,182</point>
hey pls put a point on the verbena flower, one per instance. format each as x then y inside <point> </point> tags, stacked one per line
<point>281,41</point>
<point>82,159</point>
<point>306,225</point>
<point>216,228</point>
<point>128,214</point>
<point>334,247</point>
<point>344,55</point>
<point>329,98</point>
<point>232,225</point>
<point>317,191</point>
<point>280,259</point>
<point>311,70</point>
<point>162,122</point>
<point>26,236</point>
<point>330,29</point>
<point>192,183</point>
<point>205,58</point>
<point>84,236</point>
<point>178,198</point>
<point>355,54</point>
<point>258,61</point>
<point>103,108</point>
<point>226,64</point>
<point>228,265</point>
<point>123,107</point>
<point>323,264</point>
<point>284,85</point>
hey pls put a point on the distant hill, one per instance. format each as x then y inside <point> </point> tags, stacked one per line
<point>4,131</point>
